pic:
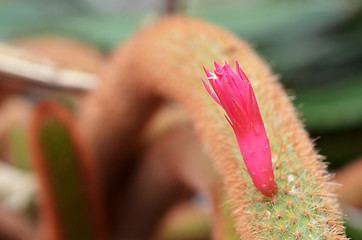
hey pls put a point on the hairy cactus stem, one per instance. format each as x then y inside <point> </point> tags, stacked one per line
<point>166,60</point>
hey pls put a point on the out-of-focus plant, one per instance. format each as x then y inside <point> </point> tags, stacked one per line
<point>70,197</point>
<point>315,46</point>
<point>163,63</point>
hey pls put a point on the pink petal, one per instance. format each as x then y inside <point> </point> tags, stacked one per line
<point>234,93</point>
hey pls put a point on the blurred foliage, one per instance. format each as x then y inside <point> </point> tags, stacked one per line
<point>314,45</point>
<point>353,232</point>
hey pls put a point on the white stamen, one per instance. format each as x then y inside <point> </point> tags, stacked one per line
<point>213,76</point>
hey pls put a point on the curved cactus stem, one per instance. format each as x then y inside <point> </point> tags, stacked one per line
<point>165,61</point>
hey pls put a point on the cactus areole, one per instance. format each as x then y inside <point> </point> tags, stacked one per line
<point>234,93</point>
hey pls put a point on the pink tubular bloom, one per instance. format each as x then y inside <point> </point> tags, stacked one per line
<point>233,92</point>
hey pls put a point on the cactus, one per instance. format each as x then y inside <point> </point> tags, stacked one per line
<point>165,62</point>
<point>70,204</point>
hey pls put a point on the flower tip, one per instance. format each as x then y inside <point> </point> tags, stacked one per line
<point>227,66</point>
<point>207,72</point>
<point>217,66</point>
<point>241,72</point>
<point>205,84</point>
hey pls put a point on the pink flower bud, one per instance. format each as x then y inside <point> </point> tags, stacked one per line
<point>233,92</point>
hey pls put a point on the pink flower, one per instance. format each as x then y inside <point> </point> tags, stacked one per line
<point>233,92</point>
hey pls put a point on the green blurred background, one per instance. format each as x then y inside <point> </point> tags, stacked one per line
<point>315,46</point>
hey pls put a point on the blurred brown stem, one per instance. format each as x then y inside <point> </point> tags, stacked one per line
<point>350,177</point>
<point>173,165</point>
